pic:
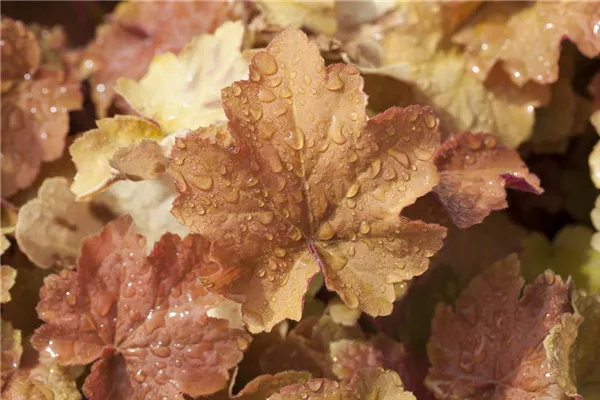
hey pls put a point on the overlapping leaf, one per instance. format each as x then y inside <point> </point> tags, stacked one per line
<point>145,319</point>
<point>35,108</point>
<point>474,172</point>
<point>310,183</point>
<point>45,381</point>
<point>490,345</point>
<point>184,91</point>
<point>526,37</point>
<point>369,383</point>
<point>414,49</point>
<point>140,30</point>
<point>51,228</point>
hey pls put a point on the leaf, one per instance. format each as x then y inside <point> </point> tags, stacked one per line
<point>148,202</point>
<point>489,345</point>
<point>438,76</point>
<point>569,255</point>
<point>35,107</point>
<point>341,314</point>
<point>137,32</point>
<point>93,150</point>
<point>8,276</point>
<point>474,172</point>
<point>264,386</point>
<point>11,350</point>
<point>310,184</point>
<point>51,228</point>
<point>371,383</point>
<point>46,381</point>
<point>594,158</point>
<point>526,37</point>
<point>144,160</point>
<point>20,52</point>
<point>140,319</point>
<point>316,16</point>
<point>184,91</point>
<point>572,347</point>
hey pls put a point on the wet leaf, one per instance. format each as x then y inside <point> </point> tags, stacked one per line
<point>11,350</point>
<point>310,184</point>
<point>264,386</point>
<point>51,228</point>
<point>569,254</point>
<point>525,37</point>
<point>7,279</point>
<point>489,346</point>
<point>184,91</point>
<point>45,381</point>
<point>370,383</point>
<point>474,174</point>
<point>317,16</point>
<point>137,32</point>
<point>413,50</point>
<point>341,314</point>
<point>93,150</point>
<point>140,319</point>
<point>35,108</point>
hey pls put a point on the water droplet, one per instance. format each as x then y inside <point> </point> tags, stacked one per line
<point>335,130</point>
<point>252,181</point>
<point>490,142</point>
<point>265,63</point>
<point>71,298</point>
<point>326,231</point>
<point>160,351</point>
<point>279,252</point>
<point>351,250</point>
<point>334,82</point>
<point>286,93</point>
<point>294,233</point>
<point>353,190</point>
<point>236,89</point>
<point>201,182</point>
<point>430,120</point>
<point>364,228</point>
<point>295,139</point>
<point>314,385</point>
<point>261,273</point>
<point>400,156</point>
<point>350,299</point>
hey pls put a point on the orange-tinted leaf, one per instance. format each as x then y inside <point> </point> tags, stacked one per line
<point>369,383</point>
<point>264,386</point>
<point>45,381</point>
<point>11,350</point>
<point>146,318</point>
<point>474,172</point>
<point>20,52</point>
<point>140,30</point>
<point>526,37</point>
<point>51,227</point>
<point>7,280</point>
<point>143,160</point>
<point>35,116</point>
<point>311,183</point>
<point>490,345</point>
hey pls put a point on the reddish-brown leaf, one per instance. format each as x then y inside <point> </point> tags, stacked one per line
<point>491,345</point>
<point>140,30</point>
<point>146,319</point>
<point>474,172</point>
<point>310,183</point>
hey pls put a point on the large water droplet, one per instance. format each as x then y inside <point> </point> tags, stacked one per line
<point>353,190</point>
<point>294,233</point>
<point>295,139</point>
<point>326,231</point>
<point>400,156</point>
<point>334,82</point>
<point>265,63</point>
<point>266,96</point>
<point>335,130</point>
<point>202,182</point>
<point>364,228</point>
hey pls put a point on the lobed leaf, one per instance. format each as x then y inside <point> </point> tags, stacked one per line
<point>184,91</point>
<point>309,184</point>
<point>45,381</point>
<point>137,32</point>
<point>474,172</point>
<point>489,346</point>
<point>143,320</point>
<point>525,37</point>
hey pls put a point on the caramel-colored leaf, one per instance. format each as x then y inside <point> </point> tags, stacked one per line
<point>525,37</point>
<point>51,227</point>
<point>489,346</point>
<point>184,91</point>
<point>20,52</point>
<point>369,383</point>
<point>317,16</point>
<point>144,160</point>
<point>143,319</point>
<point>93,150</point>
<point>341,314</point>
<point>11,350</point>
<point>137,32</point>
<point>148,202</point>
<point>310,183</point>
<point>264,386</point>
<point>7,280</point>
<point>412,50</point>
<point>45,381</point>
<point>474,172</point>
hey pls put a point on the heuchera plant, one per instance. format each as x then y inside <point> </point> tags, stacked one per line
<point>301,200</point>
